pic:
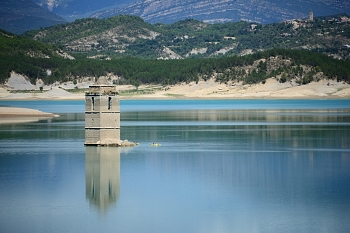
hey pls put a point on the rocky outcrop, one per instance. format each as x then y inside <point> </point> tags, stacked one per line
<point>216,11</point>
<point>19,82</point>
<point>116,39</point>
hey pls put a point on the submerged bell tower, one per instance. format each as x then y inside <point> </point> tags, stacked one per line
<point>102,116</point>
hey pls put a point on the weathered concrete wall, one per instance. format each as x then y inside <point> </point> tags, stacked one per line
<point>102,136</point>
<point>103,89</point>
<point>102,116</point>
<point>102,103</point>
<point>92,136</point>
<point>102,120</point>
<point>110,136</point>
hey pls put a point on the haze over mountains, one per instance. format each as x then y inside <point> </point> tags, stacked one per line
<point>215,11</point>
<point>211,11</point>
<point>73,9</point>
<point>18,16</point>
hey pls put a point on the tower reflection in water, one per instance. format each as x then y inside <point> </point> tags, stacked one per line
<point>102,176</point>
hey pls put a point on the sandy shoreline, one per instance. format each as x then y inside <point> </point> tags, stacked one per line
<point>19,115</point>
<point>324,89</point>
<point>272,89</point>
<point>23,112</point>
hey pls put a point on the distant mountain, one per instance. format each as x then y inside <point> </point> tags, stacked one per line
<point>214,11</point>
<point>125,36</point>
<point>18,16</point>
<point>74,9</point>
<point>40,62</point>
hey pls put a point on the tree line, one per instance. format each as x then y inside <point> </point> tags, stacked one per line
<point>30,58</point>
<point>320,35</point>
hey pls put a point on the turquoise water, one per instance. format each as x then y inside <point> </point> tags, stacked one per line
<point>222,166</point>
<point>168,105</point>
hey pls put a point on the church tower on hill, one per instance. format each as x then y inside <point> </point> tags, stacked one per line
<point>311,16</point>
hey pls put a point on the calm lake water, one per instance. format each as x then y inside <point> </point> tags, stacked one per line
<point>223,166</point>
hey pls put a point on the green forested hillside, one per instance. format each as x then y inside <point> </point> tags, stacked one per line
<point>34,59</point>
<point>64,33</point>
<point>124,36</point>
<point>26,56</point>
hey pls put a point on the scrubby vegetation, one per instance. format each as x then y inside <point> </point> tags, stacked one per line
<point>137,64</point>
<point>34,59</point>
<point>124,36</point>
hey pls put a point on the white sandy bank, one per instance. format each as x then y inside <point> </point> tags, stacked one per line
<point>211,89</point>
<point>19,115</point>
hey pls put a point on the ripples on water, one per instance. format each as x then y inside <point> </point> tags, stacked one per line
<point>222,166</point>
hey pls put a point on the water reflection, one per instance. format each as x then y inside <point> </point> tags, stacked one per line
<point>237,117</point>
<point>26,119</point>
<point>102,167</point>
<point>215,171</point>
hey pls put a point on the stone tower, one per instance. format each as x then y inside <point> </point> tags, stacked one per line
<point>311,16</point>
<point>102,116</point>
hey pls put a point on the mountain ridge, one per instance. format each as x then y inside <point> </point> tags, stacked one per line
<point>123,36</point>
<point>75,9</point>
<point>215,11</point>
<point>43,63</point>
<point>18,16</point>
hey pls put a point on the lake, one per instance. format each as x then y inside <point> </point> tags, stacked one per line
<point>222,166</point>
